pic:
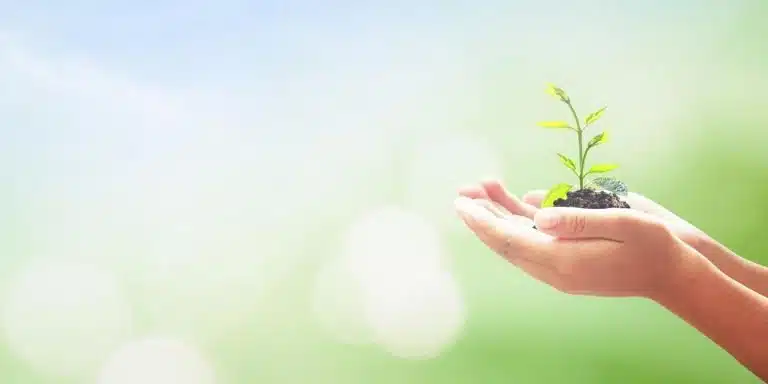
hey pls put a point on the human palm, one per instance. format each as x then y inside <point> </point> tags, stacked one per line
<point>494,192</point>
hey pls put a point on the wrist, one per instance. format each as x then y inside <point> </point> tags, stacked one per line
<point>689,270</point>
<point>720,256</point>
<point>727,312</point>
<point>697,239</point>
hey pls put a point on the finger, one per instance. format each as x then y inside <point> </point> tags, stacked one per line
<point>535,198</point>
<point>473,192</point>
<point>576,265</point>
<point>508,238</point>
<point>556,262</point>
<point>499,194</point>
<point>542,273</point>
<point>495,208</point>
<point>517,251</point>
<point>502,213</point>
<point>520,253</point>
<point>564,264</point>
<point>571,223</point>
<point>642,203</point>
<point>581,256</point>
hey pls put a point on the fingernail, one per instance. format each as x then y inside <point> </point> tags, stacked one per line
<point>546,219</point>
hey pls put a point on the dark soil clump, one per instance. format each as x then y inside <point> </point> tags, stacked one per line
<point>591,199</point>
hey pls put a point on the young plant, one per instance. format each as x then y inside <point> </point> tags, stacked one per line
<point>578,167</point>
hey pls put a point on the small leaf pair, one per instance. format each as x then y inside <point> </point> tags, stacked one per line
<point>598,168</point>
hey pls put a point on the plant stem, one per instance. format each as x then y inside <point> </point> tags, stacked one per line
<point>580,134</point>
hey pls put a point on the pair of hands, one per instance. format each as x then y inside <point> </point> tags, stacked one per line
<point>644,251</point>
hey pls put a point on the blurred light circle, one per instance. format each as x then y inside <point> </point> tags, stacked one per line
<point>62,318</point>
<point>417,318</point>
<point>205,284</point>
<point>157,361</point>
<point>391,241</point>
<point>338,304</point>
<point>391,286</point>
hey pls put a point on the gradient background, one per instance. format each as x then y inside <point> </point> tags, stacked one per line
<point>261,192</point>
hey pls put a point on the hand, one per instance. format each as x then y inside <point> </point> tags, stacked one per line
<point>655,254</point>
<point>681,228</point>
<point>610,252</point>
<point>494,192</point>
<point>748,273</point>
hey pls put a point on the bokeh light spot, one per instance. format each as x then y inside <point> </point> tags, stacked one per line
<point>417,318</point>
<point>206,284</point>
<point>391,285</point>
<point>338,304</point>
<point>392,241</point>
<point>62,318</point>
<point>157,361</point>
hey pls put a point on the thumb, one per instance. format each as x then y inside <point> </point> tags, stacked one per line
<point>567,222</point>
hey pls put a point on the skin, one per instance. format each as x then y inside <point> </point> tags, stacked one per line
<point>746,272</point>
<point>643,252</point>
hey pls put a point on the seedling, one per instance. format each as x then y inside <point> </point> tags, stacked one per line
<point>592,192</point>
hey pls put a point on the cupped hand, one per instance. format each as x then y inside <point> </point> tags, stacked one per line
<point>611,252</point>
<point>494,192</point>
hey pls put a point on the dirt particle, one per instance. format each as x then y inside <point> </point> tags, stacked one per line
<point>591,199</point>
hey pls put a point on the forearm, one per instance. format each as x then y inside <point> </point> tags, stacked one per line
<point>730,314</point>
<point>752,275</point>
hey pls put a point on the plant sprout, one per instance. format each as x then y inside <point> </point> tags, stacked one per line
<point>578,167</point>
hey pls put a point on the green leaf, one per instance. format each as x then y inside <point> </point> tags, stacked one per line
<point>594,116</point>
<point>559,191</point>
<point>610,184</point>
<point>602,168</point>
<point>567,162</point>
<point>600,138</point>
<point>558,93</point>
<point>553,124</point>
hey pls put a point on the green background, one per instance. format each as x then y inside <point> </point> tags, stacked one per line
<point>211,212</point>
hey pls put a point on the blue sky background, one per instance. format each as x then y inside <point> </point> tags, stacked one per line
<point>230,42</point>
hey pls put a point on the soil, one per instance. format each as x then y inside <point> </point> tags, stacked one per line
<point>590,199</point>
